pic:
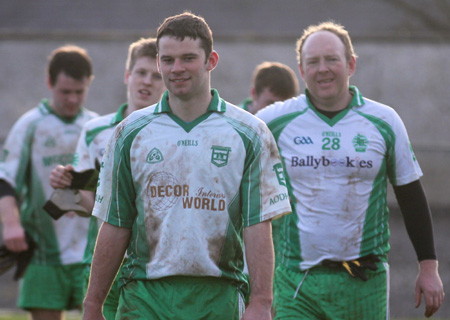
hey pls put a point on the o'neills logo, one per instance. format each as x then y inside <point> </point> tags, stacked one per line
<point>165,191</point>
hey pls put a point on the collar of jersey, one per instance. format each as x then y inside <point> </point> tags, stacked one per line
<point>216,105</point>
<point>119,114</point>
<point>357,101</point>
<point>45,108</point>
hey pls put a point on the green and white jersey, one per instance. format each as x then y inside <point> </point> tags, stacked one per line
<point>188,190</point>
<point>337,172</point>
<point>90,149</point>
<point>38,142</point>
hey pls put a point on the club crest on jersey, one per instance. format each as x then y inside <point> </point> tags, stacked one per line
<point>219,156</point>
<point>360,143</point>
<point>154,156</point>
<point>278,168</point>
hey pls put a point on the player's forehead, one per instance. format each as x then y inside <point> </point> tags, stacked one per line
<point>172,47</point>
<point>321,43</point>
<point>67,83</point>
<point>145,62</point>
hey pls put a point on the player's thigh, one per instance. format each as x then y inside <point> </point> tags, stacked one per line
<point>357,299</point>
<point>322,293</point>
<point>176,297</point>
<point>288,304</point>
<point>40,314</point>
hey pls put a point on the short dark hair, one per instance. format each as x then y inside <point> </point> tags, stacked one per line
<point>144,47</point>
<point>332,27</point>
<point>278,77</point>
<point>189,25</point>
<point>74,61</point>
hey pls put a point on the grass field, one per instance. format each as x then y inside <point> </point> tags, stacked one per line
<point>19,315</point>
<point>76,316</point>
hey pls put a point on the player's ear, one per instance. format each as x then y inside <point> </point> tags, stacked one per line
<point>126,77</point>
<point>253,93</point>
<point>212,61</point>
<point>157,63</point>
<point>301,70</point>
<point>351,66</point>
<point>49,82</point>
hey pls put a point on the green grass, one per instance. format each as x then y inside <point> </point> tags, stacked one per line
<point>20,315</point>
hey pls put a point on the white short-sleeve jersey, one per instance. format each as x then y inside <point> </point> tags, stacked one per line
<point>337,173</point>
<point>90,149</point>
<point>38,142</point>
<point>189,189</point>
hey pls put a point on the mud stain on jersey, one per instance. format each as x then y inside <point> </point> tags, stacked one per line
<point>215,246</point>
<point>153,232</point>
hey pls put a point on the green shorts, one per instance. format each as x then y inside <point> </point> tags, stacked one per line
<point>52,287</point>
<point>323,293</point>
<point>112,300</point>
<point>181,298</point>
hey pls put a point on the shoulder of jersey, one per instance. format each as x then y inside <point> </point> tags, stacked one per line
<point>378,109</point>
<point>240,114</point>
<point>31,116</point>
<point>280,108</point>
<point>90,113</point>
<point>99,121</point>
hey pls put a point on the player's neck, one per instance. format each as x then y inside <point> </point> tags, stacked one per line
<point>190,108</point>
<point>333,105</point>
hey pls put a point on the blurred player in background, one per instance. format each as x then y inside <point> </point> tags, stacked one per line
<point>271,82</point>
<point>144,88</point>
<point>42,138</point>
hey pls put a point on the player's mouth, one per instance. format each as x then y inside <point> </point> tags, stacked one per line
<point>325,81</point>
<point>145,92</point>
<point>179,80</point>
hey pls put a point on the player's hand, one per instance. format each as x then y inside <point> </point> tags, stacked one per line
<point>60,177</point>
<point>14,238</point>
<point>257,312</point>
<point>430,285</point>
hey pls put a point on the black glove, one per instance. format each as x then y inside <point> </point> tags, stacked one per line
<point>356,268</point>
<point>85,180</point>
<point>64,200</point>
<point>21,259</point>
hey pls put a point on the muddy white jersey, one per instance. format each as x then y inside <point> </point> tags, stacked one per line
<point>337,173</point>
<point>90,149</point>
<point>188,190</point>
<point>94,138</point>
<point>38,142</point>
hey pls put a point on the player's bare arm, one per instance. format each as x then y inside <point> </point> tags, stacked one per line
<point>108,255</point>
<point>260,260</point>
